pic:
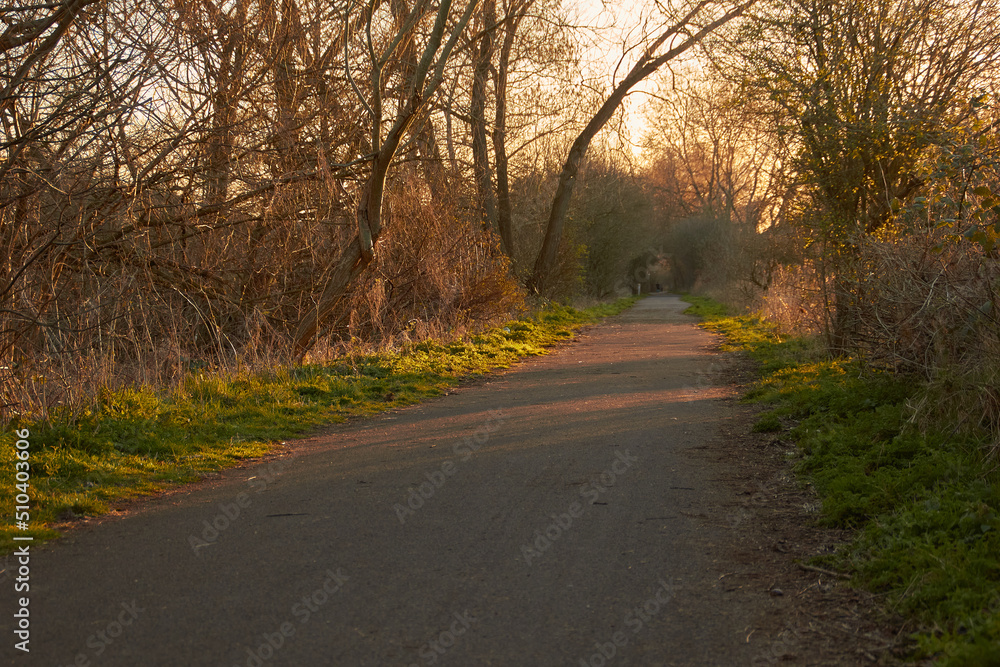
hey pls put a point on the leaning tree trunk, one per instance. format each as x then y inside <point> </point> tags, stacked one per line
<point>646,65</point>
<point>360,251</point>
<point>354,256</point>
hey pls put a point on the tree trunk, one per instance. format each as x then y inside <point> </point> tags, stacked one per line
<point>505,216</point>
<point>646,65</point>
<point>220,141</point>
<point>357,254</point>
<point>477,111</point>
<point>430,156</point>
<point>286,95</point>
<point>564,190</point>
<point>348,267</point>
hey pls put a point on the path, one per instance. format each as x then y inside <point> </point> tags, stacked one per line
<point>541,517</point>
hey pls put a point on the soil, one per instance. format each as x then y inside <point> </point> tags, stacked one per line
<point>814,616</point>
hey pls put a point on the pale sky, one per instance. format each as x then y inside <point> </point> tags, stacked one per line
<point>616,20</point>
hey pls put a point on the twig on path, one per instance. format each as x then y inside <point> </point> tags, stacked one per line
<point>831,573</point>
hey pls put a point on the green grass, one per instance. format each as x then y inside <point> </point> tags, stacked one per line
<point>140,441</point>
<point>924,505</point>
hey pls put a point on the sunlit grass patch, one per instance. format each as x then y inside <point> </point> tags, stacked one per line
<point>924,502</point>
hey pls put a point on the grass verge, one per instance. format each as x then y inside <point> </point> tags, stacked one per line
<point>141,441</point>
<point>924,503</point>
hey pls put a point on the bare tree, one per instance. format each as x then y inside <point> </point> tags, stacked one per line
<point>682,35</point>
<point>387,133</point>
<point>482,62</point>
<point>516,13</point>
<point>717,178</point>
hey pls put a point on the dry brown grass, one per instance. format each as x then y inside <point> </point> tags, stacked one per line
<point>438,275</point>
<point>795,299</point>
<point>928,307</point>
<point>927,302</point>
<point>166,303</point>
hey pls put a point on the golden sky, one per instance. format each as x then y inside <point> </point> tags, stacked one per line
<point>614,26</point>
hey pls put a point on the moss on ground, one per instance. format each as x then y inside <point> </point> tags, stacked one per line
<point>924,503</point>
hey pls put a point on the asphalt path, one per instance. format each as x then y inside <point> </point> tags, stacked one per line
<point>552,514</point>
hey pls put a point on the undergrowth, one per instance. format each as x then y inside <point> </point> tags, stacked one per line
<point>140,441</point>
<point>923,502</point>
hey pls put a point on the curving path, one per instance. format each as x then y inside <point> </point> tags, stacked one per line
<point>555,514</point>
